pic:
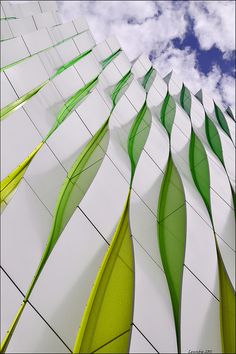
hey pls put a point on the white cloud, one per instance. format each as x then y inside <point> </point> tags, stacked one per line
<point>213,25</point>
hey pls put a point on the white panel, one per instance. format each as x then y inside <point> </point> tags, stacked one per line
<point>138,343</point>
<point>157,144</point>
<point>32,335</point>
<point>231,125</point>
<point>18,139</point>
<point>117,148</point>
<point>68,82</point>
<point>148,185</point>
<point>93,111</point>
<point>84,41</point>
<point>154,98</point>
<point>37,41</point>
<point>124,112</point>
<point>109,76</point>
<point>61,32</point>
<point>67,284</point>
<point>8,94</point>
<point>81,24</point>
<point>44,107</point>
<point>45,167</point>
<point>68,140</point>
<point>153,313</point>
<point>113,43</point>
<point>11,300</point>
<point>5,30</point>
<point>110,198</point>
<point>143,224</point>
<point>200,245</point>
<point>218,179</point>
<point>224,219</point>
<point>228,257</point>
<point>102,51</point>
<point>122,63</point>
<point>160,85</point>
<point>136,95</point>
<point>200,317</point>
<point>67,50</point>
<point>50,60</point>
<point>12,51</point>
<point>138,69</point>
<point>88,68</point>
<point>27,75</point>
<point>46,19</point>
<point>28,8</point>
<point>145,61</point>
<point>25,227</point>
<point>22,26</point>
<point>207,102</point>
<point>228,155</point>
<point>48,6</point>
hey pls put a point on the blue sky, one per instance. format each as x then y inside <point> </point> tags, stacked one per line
<point>195,38</point>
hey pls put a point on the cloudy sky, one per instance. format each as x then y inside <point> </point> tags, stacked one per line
<point>195,38</point>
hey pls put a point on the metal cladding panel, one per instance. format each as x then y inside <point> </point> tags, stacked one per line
<point>117,198</point>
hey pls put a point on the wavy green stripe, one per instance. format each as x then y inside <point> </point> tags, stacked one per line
<point>68,199</point>
<point>168,112</point>
<point>172,234</point>
<point>213,138</point>
<point>22,100</point>
<point>221,120</point>
<point>200,169</point>
<point>41,51</point>
<point>138,136</point>
<point>227,307</point>
<point>108,313</point>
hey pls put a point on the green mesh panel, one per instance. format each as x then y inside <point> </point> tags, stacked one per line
<point>168,112</point>
<point>108,313</point>
<point>221,120</point>
<point>200,169</point>
<point>172,233</point>
<point>213,138</point>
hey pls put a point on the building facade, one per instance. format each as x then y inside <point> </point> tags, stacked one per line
<point>117,198</point>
